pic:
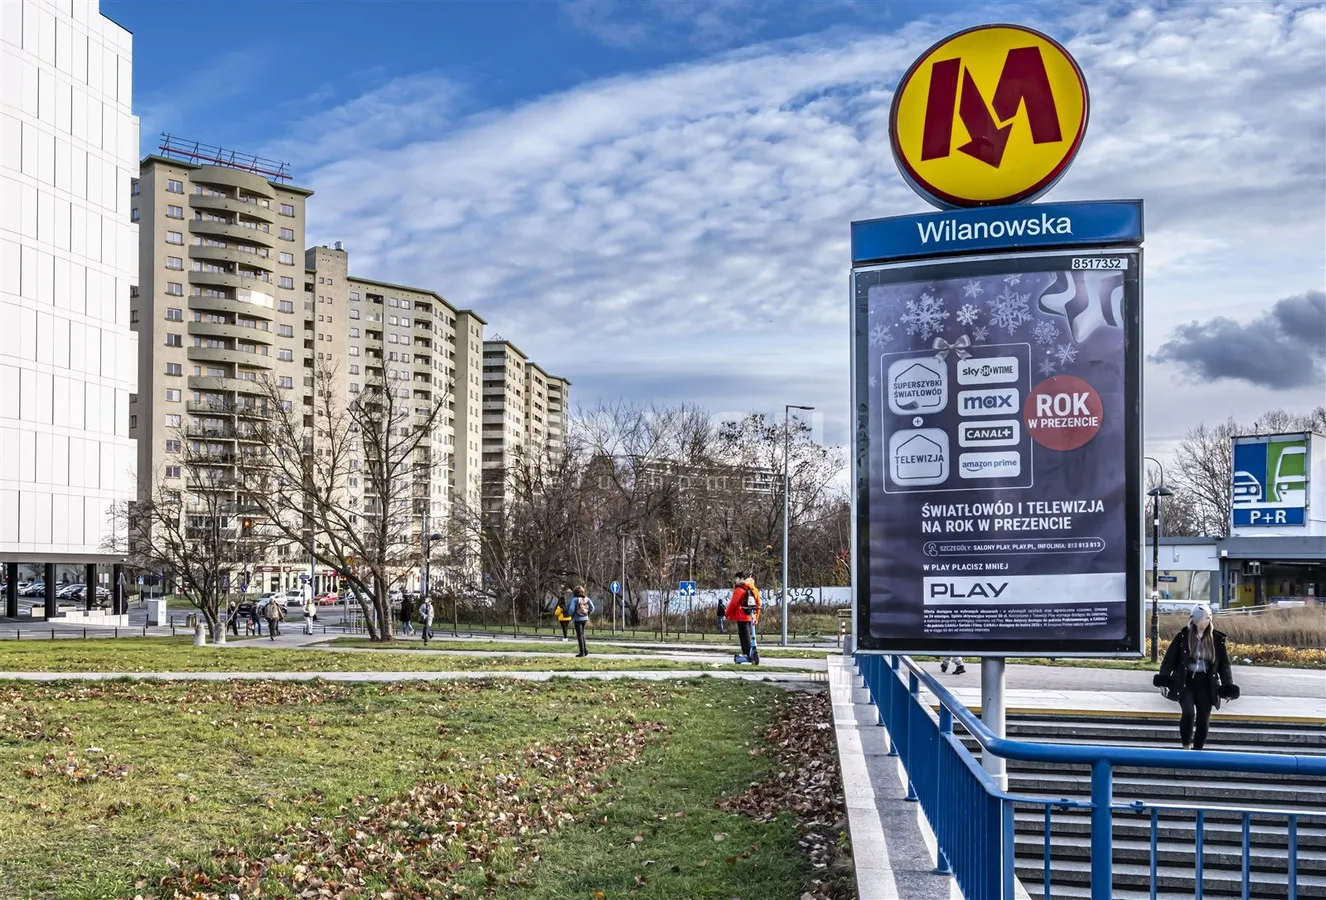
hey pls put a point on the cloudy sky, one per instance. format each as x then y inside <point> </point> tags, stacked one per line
<point>653,198</point>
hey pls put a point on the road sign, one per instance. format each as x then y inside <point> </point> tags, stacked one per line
<point>687,588</point>
<point>615,587</point>
<point>303,577</point>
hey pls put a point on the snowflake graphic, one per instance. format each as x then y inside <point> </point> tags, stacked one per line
<point>972,289</point>
<point>968,314</point>
<point>980,333</point>
<point>880,335</point>
<point>1009,310</point>
<point>874,382</point>
<point>924,316</point>
<point>1045,332</point>
<point>1012,279</point>
<point>1047,366</point>
<point>1065,353</point>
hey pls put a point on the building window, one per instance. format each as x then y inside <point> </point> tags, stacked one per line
<point>133,317</point>
<point>287,258</point>
<point>174,262</point>
<point>174,340</point>
<point>287,209</point>
<point>285,331</point>
<point>287,234</point>
<point>286,381</point>
<point>354,332</point>
<point>174,212</point>
<point>173,420</point>
<point>354,351</point>
<point>285,355</point>
<point>172,446</point>
<point>174,289</point>
<point>172,471</point>
<point>175,237</point>
<point>287,282</point>
<point>134,188</point>
<point>133,421</point>
<point>405,304</point>
<point>354,388</point>
<point>354,295</point>
<point>354,369</point>
<point>174,315</point>
<point>174,369</point>
<point>287,306</point>
<point>173,394</point>
<point>354,313</point>
<point>134,215</point>
<point>174,187</point>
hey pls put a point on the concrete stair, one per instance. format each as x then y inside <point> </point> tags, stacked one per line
<point>1070,844</point>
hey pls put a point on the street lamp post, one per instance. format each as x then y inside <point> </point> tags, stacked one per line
<point>1155,494</point>
<point>787,506</point>
<point>428,554</point>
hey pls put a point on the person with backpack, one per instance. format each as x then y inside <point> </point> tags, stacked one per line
<point>274,614</point>
<point>562,616</point>
<point>1196,674</point>
<point>581,609</point>
<point>722,618</point>
<point>407,614</point>
<point>426,619</point>
<point>744,609</point>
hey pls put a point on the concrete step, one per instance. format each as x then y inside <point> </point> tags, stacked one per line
<point>1065,849</point>
<point>1268,832</point>
<point>1136,876</point>
<point>1285,794</point>
<point>1294,738</point>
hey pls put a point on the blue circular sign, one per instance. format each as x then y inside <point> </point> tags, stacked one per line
<point>615,587</point>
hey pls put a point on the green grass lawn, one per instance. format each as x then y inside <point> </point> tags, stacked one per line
<point>133,655</point>
<point>600,645</point>
<point>538,791</point>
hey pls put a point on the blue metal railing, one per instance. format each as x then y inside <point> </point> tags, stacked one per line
<point>973,818</point>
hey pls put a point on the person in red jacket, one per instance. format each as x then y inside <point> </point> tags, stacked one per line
<point>744,609</point>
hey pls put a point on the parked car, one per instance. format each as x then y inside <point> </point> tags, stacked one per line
<point>326,598</point>
<point>33,589</point>
<point>69,591</point>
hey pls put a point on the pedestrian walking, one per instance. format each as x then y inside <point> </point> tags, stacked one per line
<point>426,619</point>
<point>581,609</point>
<point>1196,674</point>
<point>562,616</point>
<point>722,618</point>
<point>310,612</point>
<point>958,667</point>
<point>232,618</point>
<point>274,614</point>
<point>407,614</point>
<point>744,609</point>
<point>255,619</point>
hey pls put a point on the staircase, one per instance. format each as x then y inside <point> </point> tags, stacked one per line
<point>1070,843</point>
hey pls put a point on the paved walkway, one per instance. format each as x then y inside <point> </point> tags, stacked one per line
<point>786,678</point>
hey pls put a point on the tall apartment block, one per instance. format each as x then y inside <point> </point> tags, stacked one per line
<point>68,258</point>
<point>227,298</point>
<point>524,410</point>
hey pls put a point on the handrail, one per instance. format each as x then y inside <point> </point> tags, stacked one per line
<point>1138,757</point>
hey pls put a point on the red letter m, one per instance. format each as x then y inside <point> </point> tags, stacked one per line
<point>1023,81</point>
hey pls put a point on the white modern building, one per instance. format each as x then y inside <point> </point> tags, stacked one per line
<point>68,257</point>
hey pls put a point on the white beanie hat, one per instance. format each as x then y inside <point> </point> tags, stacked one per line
<point>1201,612</point>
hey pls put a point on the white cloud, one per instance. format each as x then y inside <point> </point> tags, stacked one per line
<point>682,234</point>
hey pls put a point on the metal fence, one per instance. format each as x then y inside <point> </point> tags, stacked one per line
<point>973,818</point>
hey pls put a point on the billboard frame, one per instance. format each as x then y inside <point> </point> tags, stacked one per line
<point>1132,645</point>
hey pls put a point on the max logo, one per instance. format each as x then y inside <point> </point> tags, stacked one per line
<point>1023,82</point>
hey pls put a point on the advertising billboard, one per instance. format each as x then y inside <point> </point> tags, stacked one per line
<point>998,448</point>
<point>1272,481</point>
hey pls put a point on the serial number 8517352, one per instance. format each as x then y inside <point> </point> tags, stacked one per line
<point>1100,262</point>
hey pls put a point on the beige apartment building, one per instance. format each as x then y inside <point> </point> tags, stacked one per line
<point>225,301</point>
<point>524,408</point>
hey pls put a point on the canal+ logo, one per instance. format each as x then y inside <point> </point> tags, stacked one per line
<point>988,116</point>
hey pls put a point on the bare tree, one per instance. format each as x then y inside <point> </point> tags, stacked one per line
<point>190,520</point>
<point>348,476</point>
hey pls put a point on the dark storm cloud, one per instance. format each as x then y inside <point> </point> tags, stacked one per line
<point>1283,348</point>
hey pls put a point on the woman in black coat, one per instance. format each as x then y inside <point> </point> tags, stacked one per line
<point>1196,674</point>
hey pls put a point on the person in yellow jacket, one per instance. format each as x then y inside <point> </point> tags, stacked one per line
<point>563,617</point>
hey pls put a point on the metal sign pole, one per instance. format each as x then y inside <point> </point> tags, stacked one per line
<point>993,715</point>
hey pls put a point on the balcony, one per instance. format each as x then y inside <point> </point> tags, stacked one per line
<point>240,357</point>
<point>226,177</point>
<point>215,383</point>
<point>210,432</point>
<point>232,255</point>
<point>226,204</point>
<point>229,232</point>
<point>239,332</point>
<point>239,305</point>
<point>232,280</point>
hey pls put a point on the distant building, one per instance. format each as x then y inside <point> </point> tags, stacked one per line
<point>525,410</point>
